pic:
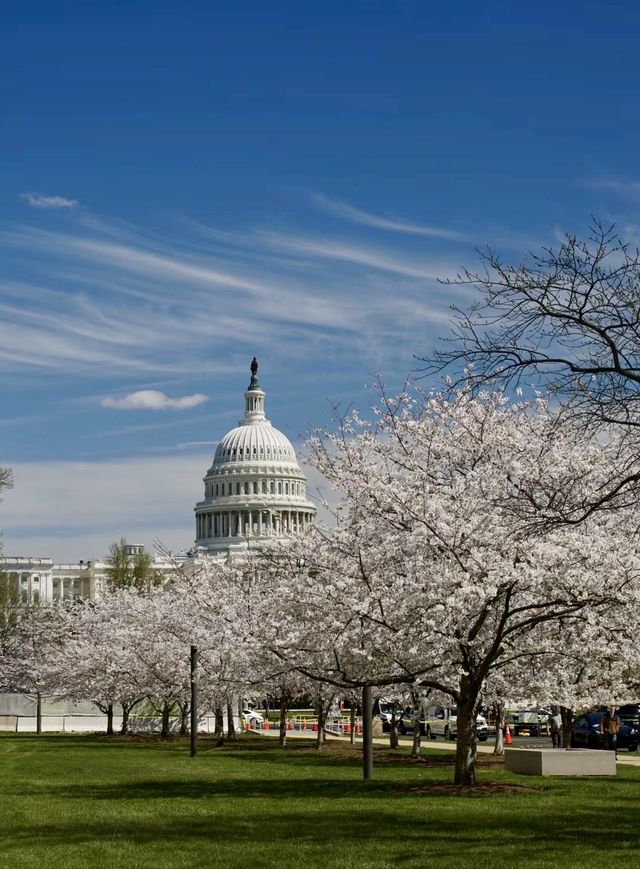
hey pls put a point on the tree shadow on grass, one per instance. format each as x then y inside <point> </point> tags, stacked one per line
<point>198,789</point>
<point>297,788</point>
<point>409,835</point>
<point>84,741</point>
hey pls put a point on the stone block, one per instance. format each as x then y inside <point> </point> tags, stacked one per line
<point>554,761</point>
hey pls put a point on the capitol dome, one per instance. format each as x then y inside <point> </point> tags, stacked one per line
<point>259,440</point>
<point>254,490</point>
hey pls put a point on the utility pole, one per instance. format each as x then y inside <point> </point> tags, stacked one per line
<point>194,702</point>
<point>367,733</point>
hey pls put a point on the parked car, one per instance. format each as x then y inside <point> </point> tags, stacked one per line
<point>443,721</point>
<point>585,733</point>
<point>385,711</point>
<point>630,714</point>
<point>406,723</point>
<point>529,722</point>
<point>253,719</point>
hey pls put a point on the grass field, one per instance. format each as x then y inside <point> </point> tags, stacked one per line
<point>80,801</point>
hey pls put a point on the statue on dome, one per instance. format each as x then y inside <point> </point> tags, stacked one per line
<point>254,374</point>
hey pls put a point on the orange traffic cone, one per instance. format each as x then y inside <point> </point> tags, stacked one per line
<point>507,735</point>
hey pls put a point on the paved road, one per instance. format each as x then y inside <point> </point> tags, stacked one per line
<point>483,747</point>
<point>624,757</point>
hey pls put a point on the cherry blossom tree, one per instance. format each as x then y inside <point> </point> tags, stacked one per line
<point>442,571</point>
<point>91,655</point>
<point>11,612</point>
<point>24,652</point>
<point>566,318</point>
<point>9,596</point>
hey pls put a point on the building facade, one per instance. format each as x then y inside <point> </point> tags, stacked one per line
<point>254,492</point>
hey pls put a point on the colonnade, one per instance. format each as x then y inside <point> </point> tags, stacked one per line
<point>247,523</point>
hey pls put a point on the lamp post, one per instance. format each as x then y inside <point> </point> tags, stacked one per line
<point>367,733</point>
<point>194,701</point>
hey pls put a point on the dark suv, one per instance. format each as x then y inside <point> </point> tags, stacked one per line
<point>630,714</point>
<point>585,733</point>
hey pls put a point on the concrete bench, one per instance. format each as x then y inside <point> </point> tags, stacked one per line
<point>557,761</point>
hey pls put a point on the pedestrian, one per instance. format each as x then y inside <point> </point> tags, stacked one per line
<point>609,727</point>
<point>555,727</point>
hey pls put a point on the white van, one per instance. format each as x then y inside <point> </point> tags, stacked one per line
<point>442,721</point>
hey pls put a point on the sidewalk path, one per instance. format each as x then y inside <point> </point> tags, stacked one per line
<point>624,759</point>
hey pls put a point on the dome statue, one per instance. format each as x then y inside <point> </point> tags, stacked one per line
<point>254,491</point>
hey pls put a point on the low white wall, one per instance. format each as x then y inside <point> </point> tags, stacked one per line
<point>98,724</point>
<point>550,761</point>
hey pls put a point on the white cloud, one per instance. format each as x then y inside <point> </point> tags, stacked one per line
<point>152,399</point>
<point>41,200</point>
<point>357,215</point>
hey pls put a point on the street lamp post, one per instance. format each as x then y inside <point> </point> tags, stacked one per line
<point>367,733</point>
<point>194,702</point>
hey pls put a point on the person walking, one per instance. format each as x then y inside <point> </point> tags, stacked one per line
<point>555,727</point>
<point>609,727</point>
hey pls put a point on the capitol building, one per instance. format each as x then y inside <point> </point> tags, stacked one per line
<point>254,492</point>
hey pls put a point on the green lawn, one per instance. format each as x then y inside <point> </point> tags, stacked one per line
<point>77,801</point>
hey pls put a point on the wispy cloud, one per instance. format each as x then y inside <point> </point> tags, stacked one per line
<point>111,300</point>
<point>41,200</point>
<point>358,255</point>
<point>627,188</point>
<point>95,306</point>
<point>151,399</point>
<point>366,218</point>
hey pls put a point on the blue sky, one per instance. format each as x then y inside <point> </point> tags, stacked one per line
<point>185,185</point>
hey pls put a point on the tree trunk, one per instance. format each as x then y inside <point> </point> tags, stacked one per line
<point>124,727</point>
<point>499,746</point>
<point>164,728</point>
<point>184,718</point>
<point>353,723</point>
<point>127,709</point>
<point>393,731</point>
<point>219,731</point>
<point>38,712</point>
<point>110,719</point>
<point>567,721</point>
<point>283,720</point>
<point>231,727</point>
<point>465,771</point>
<point>321,721</point>
<point>417,736</point>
